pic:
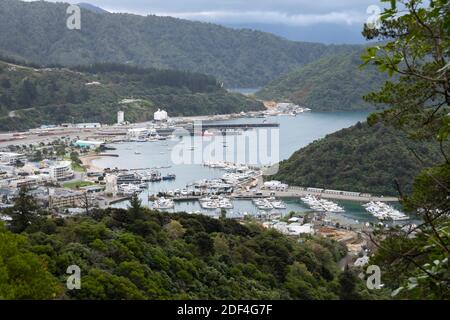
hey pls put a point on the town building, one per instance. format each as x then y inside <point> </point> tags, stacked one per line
<point>93,125</point>
<point>160,115</point>
<point>64,198</point>
<point>111,184</point>
<point>294,229</point>
<point>61,170</point>
<point>12,158</point>
<point>89,144</point>
<point>275,185</point>
<point>29,182</point>
<point>140,133</point>
<point>120,117</point>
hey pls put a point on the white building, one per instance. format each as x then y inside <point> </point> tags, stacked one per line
<point>61,170</point>
<point>275,185</point>
<point>139,133</point>
<point>30,182</point>
<point>89,144</point>
<point>93,125</point>
<point>294,229</point>
<point>120,117</point>
<point>12,158</point>
<point>161,115</point>
<point>316,190</point>
<point>111,184</point>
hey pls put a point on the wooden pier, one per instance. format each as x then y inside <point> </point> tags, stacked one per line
<point>192,129</point>
<point>297,193</point>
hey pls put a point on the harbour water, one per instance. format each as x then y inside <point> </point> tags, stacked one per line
<point>294,133</point>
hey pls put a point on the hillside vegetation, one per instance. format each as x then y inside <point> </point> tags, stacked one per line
<point>362,159</point>
<point>240,58</point>
<point>142,254</point>
<point>30,97</point>
<point>332,83</point>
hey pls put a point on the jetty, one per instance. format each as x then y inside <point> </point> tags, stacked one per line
<point>298,192</point>
<point>243,126</point>
<point>222,127</point>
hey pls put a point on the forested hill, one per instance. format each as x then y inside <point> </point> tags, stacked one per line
<point>31,96</point>
<point>37,32</point>
<point>142,254</point>
<point>360,158</point>
<point>329,84</point>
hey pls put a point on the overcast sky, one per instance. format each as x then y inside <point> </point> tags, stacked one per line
<point>310,20</point>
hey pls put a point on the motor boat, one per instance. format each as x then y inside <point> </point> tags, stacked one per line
<point>209,205</point>
<point>278,205</point>
<point>169,177</point>
<point>225,204</point>
<point>383,211</point>
<point>163,203</point>
<point>322,205</point>
<point>129,189</point>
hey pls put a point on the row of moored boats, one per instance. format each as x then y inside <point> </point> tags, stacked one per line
<point>383,211</point>
<point>163,203</point>
<point>322,205</point>
<point>269,203</point>
<point>219,202</point>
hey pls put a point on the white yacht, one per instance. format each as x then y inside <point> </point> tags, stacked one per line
<point>225,204</point>
<point>163,203</point>
<point>263,204</point>
<point>383,211</point>
<point>278,205</point>
<point>129,189</point>
<point>209,205</point>
<point>322,205</point>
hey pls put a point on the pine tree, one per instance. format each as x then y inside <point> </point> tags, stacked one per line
<point>24,213</point>
<point>135,208</point>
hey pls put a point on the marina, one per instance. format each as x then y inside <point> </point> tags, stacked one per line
<point>219,170</point>
<point>383,211</point>
<point>322,205</point>
<point>239,182</point>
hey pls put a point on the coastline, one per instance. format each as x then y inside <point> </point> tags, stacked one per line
<point>87,162</point>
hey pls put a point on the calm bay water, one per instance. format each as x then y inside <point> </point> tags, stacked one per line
<point>294,133</point>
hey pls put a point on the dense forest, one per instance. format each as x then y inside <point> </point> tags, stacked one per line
<point>362,158</point>
<point>143,254</point>
<point>239,58</point>
<point>332,83</point>
<point>31,96</point>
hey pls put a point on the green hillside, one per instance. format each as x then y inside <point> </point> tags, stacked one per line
<point>360,158</point>
<point>37,32</point>
<point>30,97</point>
<point>330,84</point>
<point>142,254</point>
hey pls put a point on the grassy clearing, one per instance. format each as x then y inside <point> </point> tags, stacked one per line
<point>77,184</point>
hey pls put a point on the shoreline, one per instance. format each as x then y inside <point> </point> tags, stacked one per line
<point>87,162</point>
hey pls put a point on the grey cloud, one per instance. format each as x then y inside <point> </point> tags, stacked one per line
<point>271,17</point>
<point>287,15</point>
<point>283,6</point>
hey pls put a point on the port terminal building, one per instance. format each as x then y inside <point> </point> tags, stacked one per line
<point>87,144</point>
